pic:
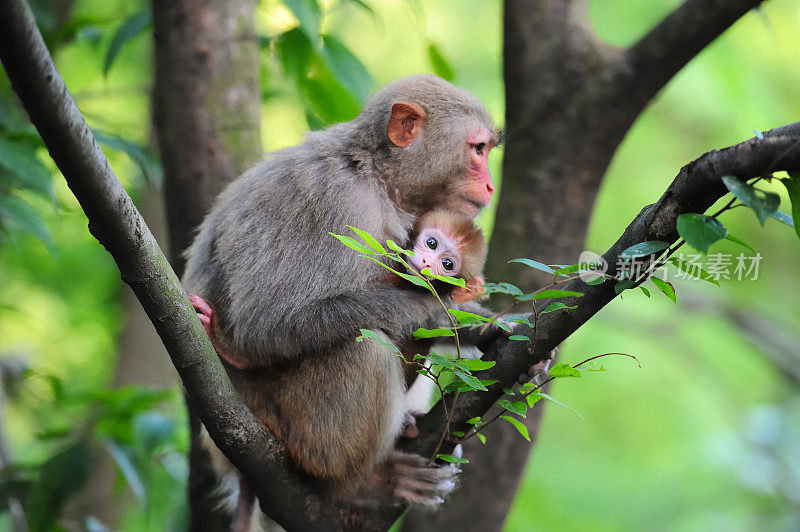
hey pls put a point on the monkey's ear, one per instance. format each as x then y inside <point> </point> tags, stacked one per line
<point>406,123</point>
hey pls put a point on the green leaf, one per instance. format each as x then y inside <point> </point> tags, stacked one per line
<point>127,31</point>
<point>521,428</point>
<point>519,338</point>
<point>22,163</point>
<point>563,370</point>
<point>741,242</point>
<point>470,380</point>
<point>296,53</point>
<point>478,364</point>
<point>346,67</point>
<point>550,399</point>
<point>793,188</point>
<point>60,476</point>
<point>439,360</point>
<point>466,318</point>
<point>534,264</point>
<point>391,244</point>
<point>665,287</point>
<point>764,206</point>
<point>645,291</point>
<point>643,249</point>
<point>452,459</point>
<point>481,437</point>
<point>784,218</point>
<point>369,239</point>
<point>564,271</point>
<point>148,165</point>
<point>15,212</point>
<point>694,270</point>
<point>515,407</point>
<point>411,278</point>
<point>309,15</point>
<point>558,305</point>
<point>326,98</point>
<point>474,421</point>
<point>441,67</point>
<point>532,398</point>
<point>372,335</point>
<point>549,294</point>
<point>520,318</point>
<point>444,278</point>
<point>353,244</point>
<point>152,430</point>
<point>432,333</point>
<point>127,468</point>
<point>623,285</point>
<point>700,231</point>
<point>457,433</point>
<point>502,288</point>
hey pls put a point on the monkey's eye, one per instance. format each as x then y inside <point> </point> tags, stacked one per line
<point>431,242</point>
<point>480,147</point>
<point>447,264</point>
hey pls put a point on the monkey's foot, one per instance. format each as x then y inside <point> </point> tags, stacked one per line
<point>205,313</point>
<point>410,429</point>
<point>413,479</point>
<point>539,371</point>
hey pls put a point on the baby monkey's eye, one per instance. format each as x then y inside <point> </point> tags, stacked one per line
<point>448,264</point>
<point>431,242</point>
<point>479,148</point>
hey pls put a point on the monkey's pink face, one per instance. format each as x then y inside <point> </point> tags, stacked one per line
<point>435,250</point>
<point>479,187</point>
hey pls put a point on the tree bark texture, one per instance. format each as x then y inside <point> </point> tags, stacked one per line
<point>207,115</point>
<point>207,105</point>
<point>570,100</point>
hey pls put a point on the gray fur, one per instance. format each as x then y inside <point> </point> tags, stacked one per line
<point>280,284</point>
<point>290,298</point>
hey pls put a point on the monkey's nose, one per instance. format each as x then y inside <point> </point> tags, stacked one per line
<point>490,188</point>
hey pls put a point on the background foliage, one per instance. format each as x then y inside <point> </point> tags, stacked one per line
<point>701,437</point>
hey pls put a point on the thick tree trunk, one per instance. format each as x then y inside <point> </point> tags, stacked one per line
<point>207,115</point>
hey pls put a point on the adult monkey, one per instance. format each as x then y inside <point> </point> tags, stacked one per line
<point>289,299</point>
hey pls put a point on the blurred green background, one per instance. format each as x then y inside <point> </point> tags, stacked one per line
<point>706,435</point>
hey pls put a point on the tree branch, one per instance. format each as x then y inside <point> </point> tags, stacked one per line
<point>695,189</point>
<point>648,65</point>
<point>118,226</point>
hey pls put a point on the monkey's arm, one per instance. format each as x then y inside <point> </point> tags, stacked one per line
<point>320,325</point>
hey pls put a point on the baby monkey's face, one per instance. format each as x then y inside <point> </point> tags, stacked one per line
<point>435,249</point>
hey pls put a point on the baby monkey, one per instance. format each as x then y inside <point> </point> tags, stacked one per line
<point>449,244</point>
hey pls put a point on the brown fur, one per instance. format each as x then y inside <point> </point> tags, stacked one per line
<point>465,234</point>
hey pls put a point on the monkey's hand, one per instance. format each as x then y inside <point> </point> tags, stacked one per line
<point>206,315</point>
<point>472,292</point>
